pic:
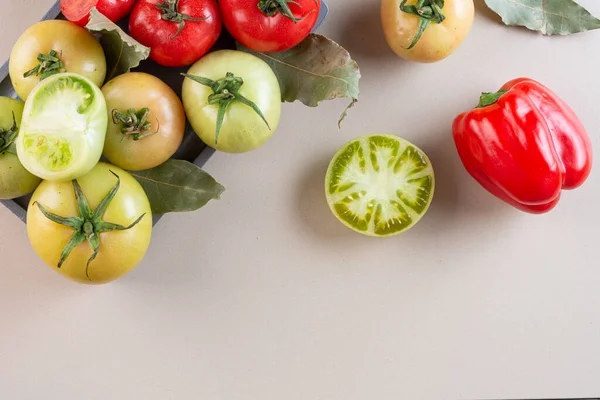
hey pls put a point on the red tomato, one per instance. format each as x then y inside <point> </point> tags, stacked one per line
<point>78,11</point>
<point>178,32</point>
<point>269,26</point>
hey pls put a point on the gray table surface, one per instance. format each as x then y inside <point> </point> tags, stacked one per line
<point>264,295</point>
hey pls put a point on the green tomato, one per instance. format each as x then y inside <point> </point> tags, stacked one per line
<point>15,180</point>
<point>232,100</point>
<point>379,185</point>
<point>63,128</point>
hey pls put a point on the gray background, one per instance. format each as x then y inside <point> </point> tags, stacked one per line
<point>264,295</point>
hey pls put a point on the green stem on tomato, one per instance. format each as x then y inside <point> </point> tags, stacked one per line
<point>170,10</point>
<point>134,123</point>
<point>226,91</point>
<point>428,11</point>
<point>88,224</point>
<point>8,137</point>
<point>48,65</point>
<point>272,7</point>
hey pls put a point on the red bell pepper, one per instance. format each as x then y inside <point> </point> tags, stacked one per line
<point>524,145</point>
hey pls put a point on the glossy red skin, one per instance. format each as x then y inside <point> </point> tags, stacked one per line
<point>78,11</point>
<point>195,40</point>
<point>526,148</point>
<point>259,32</point>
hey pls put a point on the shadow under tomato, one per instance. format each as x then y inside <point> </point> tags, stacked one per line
<point>362,34</point>
<point>445,205</point>
<point>314,212</point>
<point>315,215</point>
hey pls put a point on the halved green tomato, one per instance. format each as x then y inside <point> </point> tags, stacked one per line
<point>379,185</point>
<point>63,128</point>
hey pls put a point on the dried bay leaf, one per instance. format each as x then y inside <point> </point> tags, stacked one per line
<point>121,50</point>
<point>550,17</point>
<point>178,186</point>
<point>317,69</point>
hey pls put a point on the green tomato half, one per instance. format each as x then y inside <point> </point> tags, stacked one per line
<point>63,128</point>
<point>243,127</point>
<point>15,180</point>
<point>379,185</point>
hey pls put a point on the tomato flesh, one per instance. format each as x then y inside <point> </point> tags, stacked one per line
<point>78,11</point>
<point>63,128</point>
<point>379,185</point>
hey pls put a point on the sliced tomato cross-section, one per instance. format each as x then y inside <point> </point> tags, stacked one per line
<point>379,185</point>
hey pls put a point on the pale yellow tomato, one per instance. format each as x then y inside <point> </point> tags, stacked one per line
<point>438,41</point>
<point>77,49</point>
<point>120,250</point>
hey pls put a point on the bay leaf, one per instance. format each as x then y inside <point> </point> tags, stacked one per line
<point>121,50</point>
<point>317,69</point>
<point>550,17</point>
<point>178,186</point>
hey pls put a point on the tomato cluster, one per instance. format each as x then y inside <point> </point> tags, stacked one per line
<point>90,220</point>
<point>168,26</point>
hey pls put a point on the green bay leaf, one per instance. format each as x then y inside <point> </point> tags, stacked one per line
<point>317,69</point>
<point>121,50</point>
<point>550,17</point>
<point>178,186</point>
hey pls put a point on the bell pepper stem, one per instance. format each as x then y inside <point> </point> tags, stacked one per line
<point>487,99</point>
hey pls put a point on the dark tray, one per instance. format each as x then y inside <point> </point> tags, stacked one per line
<point>192,149</point>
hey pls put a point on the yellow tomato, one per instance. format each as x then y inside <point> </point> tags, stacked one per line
<point>75,47</point>
<point>438,41</point>
<point>119,250</point>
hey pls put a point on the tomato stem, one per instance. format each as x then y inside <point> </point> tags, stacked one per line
<point>272,7</point>
<point>48,65</point>
<point>7,138</point>
<point>225,92</point>
<point>88,225</point>
<point>170,10</point>
<point>428,11</point>
<point>134,123</point>
<point>487,99</point>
